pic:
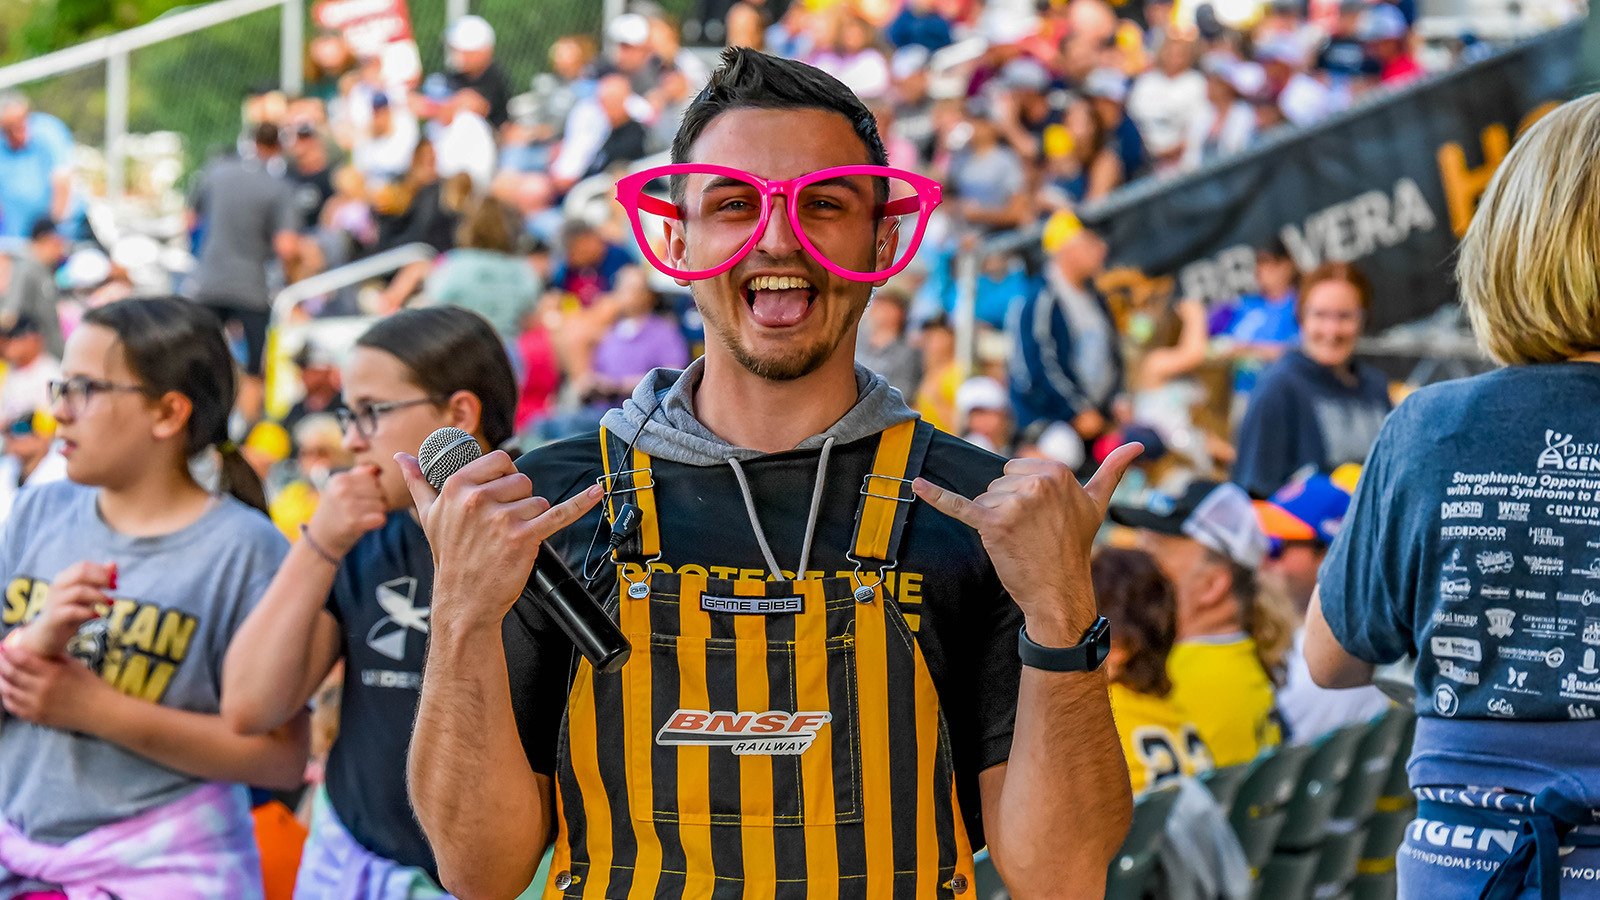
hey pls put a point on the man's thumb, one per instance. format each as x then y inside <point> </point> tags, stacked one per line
<point>422,493</point>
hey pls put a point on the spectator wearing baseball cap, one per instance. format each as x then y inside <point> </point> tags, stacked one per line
<point>1387,37</point>
<point>1226,123</point>
<point>1066,358</point>
<point>1164,98</point>
<point>1301,521</point>
<point>472,70</point>
<point>1230,638</point>
<point>29,366</point>
<point>30,458</point>
<point>984,413</point>
<point>1107,90</point>
<point>1303,99</point>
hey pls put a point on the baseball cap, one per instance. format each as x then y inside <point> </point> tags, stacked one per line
<point>1154,447</point>
<point>470,34</point>
<point>909,60</point>
<point>1383,23</point>
<point>314,355</point>
<point>1025,74</point>
<point>1062,226</point>
<point>38,421</point>
<point>1310,507</point>
<point>1216,515</point>
<point>1107,83</point>
<point>981,393</point>
<point>1281,49</point>
<point>85,269</point>
<point>630,29</point>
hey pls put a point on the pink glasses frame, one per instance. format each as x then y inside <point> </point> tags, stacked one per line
<point>630,193</point>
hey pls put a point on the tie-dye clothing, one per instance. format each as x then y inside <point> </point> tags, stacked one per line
<point>336,867</point>
<point>199,847</point>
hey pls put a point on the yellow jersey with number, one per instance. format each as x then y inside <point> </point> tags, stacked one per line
<point>1158,738</point>
<point>1228,696</point>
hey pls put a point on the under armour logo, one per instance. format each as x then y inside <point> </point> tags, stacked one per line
<point>388,634</point>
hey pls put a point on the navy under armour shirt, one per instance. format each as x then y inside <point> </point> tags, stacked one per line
<point>382,598</point>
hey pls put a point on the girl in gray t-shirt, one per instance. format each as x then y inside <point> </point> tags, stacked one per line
<point>123,588</point>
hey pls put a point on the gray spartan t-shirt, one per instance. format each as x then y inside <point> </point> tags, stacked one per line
<point>179,599</point>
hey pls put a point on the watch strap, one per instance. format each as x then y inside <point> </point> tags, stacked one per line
<point>1085,656</point>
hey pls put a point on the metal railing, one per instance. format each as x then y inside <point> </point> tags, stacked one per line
<point>348,275</point>
<point>113,51</point>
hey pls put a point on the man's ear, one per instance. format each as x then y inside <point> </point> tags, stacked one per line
<point>677,247</point>
<point>465,410</point>
<point>888,235</point>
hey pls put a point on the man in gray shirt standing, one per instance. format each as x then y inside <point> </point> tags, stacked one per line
<point>248,213</point>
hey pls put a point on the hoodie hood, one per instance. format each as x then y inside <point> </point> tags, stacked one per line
<point>673,433</point>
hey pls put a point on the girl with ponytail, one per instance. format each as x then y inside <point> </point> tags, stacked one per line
<point>123,588</point>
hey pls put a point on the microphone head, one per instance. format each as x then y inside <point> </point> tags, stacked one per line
<point>444,453</point>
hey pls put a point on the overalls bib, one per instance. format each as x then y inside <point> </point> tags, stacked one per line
<point>765,738</point>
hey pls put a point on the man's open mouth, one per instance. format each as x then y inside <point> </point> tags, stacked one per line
<point>779,301</point>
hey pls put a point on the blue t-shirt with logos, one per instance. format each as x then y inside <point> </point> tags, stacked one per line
<point>1473,543</point>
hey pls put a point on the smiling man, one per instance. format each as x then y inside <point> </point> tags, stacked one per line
<point>845,675</point>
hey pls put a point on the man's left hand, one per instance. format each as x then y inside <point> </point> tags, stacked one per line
<point>58,693</point>
<point>1038,526</point>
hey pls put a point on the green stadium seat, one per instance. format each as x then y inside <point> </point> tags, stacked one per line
<point>1260,808</point>
<point>1336,861</point>
<point>1133,868</point>
<point>1288,876</point>
<point>1373,763</point>
<point>1224,783</point>
<point>1318,790</point>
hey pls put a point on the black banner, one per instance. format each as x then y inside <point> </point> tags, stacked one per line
<point>1390,185</point>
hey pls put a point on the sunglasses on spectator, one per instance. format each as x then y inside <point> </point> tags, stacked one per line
<point>827,210</point>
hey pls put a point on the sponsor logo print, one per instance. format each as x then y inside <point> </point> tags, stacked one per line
<point>771,733</point>
<point>1525,654</point>
<point>1587,667</point>
<point>1513,512</point>
<point>1545,565</point>
<point>1455,588</point>
<point>752,606</point>
<point>1500,706</point>
<point>1580,711</point>
<point>1524,594</point>
<point>1454,565</point>
<point>1554,657</point>
<point>1575,688</point>
<point>1500,622</point>
<point>1587,598</point>
<point>388,635</point>
<point>1495,593</point>
<point>1550,628</point>
<point>1561,453</point>
<point>1592,572</point>
<point>1516,679</point>
<point>1591,631</point>
<point>1546,537</point>
<point>1458,674</point>
<point>1480,532</point>
<point>1495,562</point>
<point>1457,648</point>
<point>1446,836</point>
<point>1458,620</point>
<point>1461,509</point>
<point>1445,701</point>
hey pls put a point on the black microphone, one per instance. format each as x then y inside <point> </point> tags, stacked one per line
<point>552,585</point>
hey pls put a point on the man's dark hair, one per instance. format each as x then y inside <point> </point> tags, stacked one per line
<point>750,79</point>
<point>266,136</point>
<point>43,227</point>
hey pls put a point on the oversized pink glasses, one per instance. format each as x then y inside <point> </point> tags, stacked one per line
<point>731,208</point>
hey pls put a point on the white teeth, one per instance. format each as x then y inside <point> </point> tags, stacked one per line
<point>777,283</point>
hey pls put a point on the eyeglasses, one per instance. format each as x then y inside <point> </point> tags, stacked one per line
<point>365,416</point>
<point>834,210</point>
<point>75,392</point>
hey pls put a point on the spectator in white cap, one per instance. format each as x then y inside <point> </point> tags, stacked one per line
<point>473,75</point>
<point>1227,123</point>
<point>1230,638</point>
<point>1387,38</point>
<point>630,53</point>
<point>1164,99</point>
<point>1107,90</point>
<point>1303,99</point>
<point>855,58</point>
<point>984,411</point>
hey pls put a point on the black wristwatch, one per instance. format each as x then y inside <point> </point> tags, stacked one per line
<point>1085,657</point>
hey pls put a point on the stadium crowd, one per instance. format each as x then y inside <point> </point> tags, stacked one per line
<point>1255,414</point>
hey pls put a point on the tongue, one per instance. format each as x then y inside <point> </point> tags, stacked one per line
<point>780,309</point>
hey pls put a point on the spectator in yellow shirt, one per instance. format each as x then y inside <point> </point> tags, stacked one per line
<point>1230,639</point>
<point>1159,738</point>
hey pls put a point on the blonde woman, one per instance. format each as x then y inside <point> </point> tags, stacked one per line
<point>1473,543</point>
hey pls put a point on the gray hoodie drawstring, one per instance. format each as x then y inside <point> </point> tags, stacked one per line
<point>811,517</point>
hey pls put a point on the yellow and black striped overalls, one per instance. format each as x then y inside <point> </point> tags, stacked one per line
<point>766,738</point>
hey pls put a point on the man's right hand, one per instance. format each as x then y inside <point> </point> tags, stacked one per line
<point>350,506</point>
<point>485,529</point>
